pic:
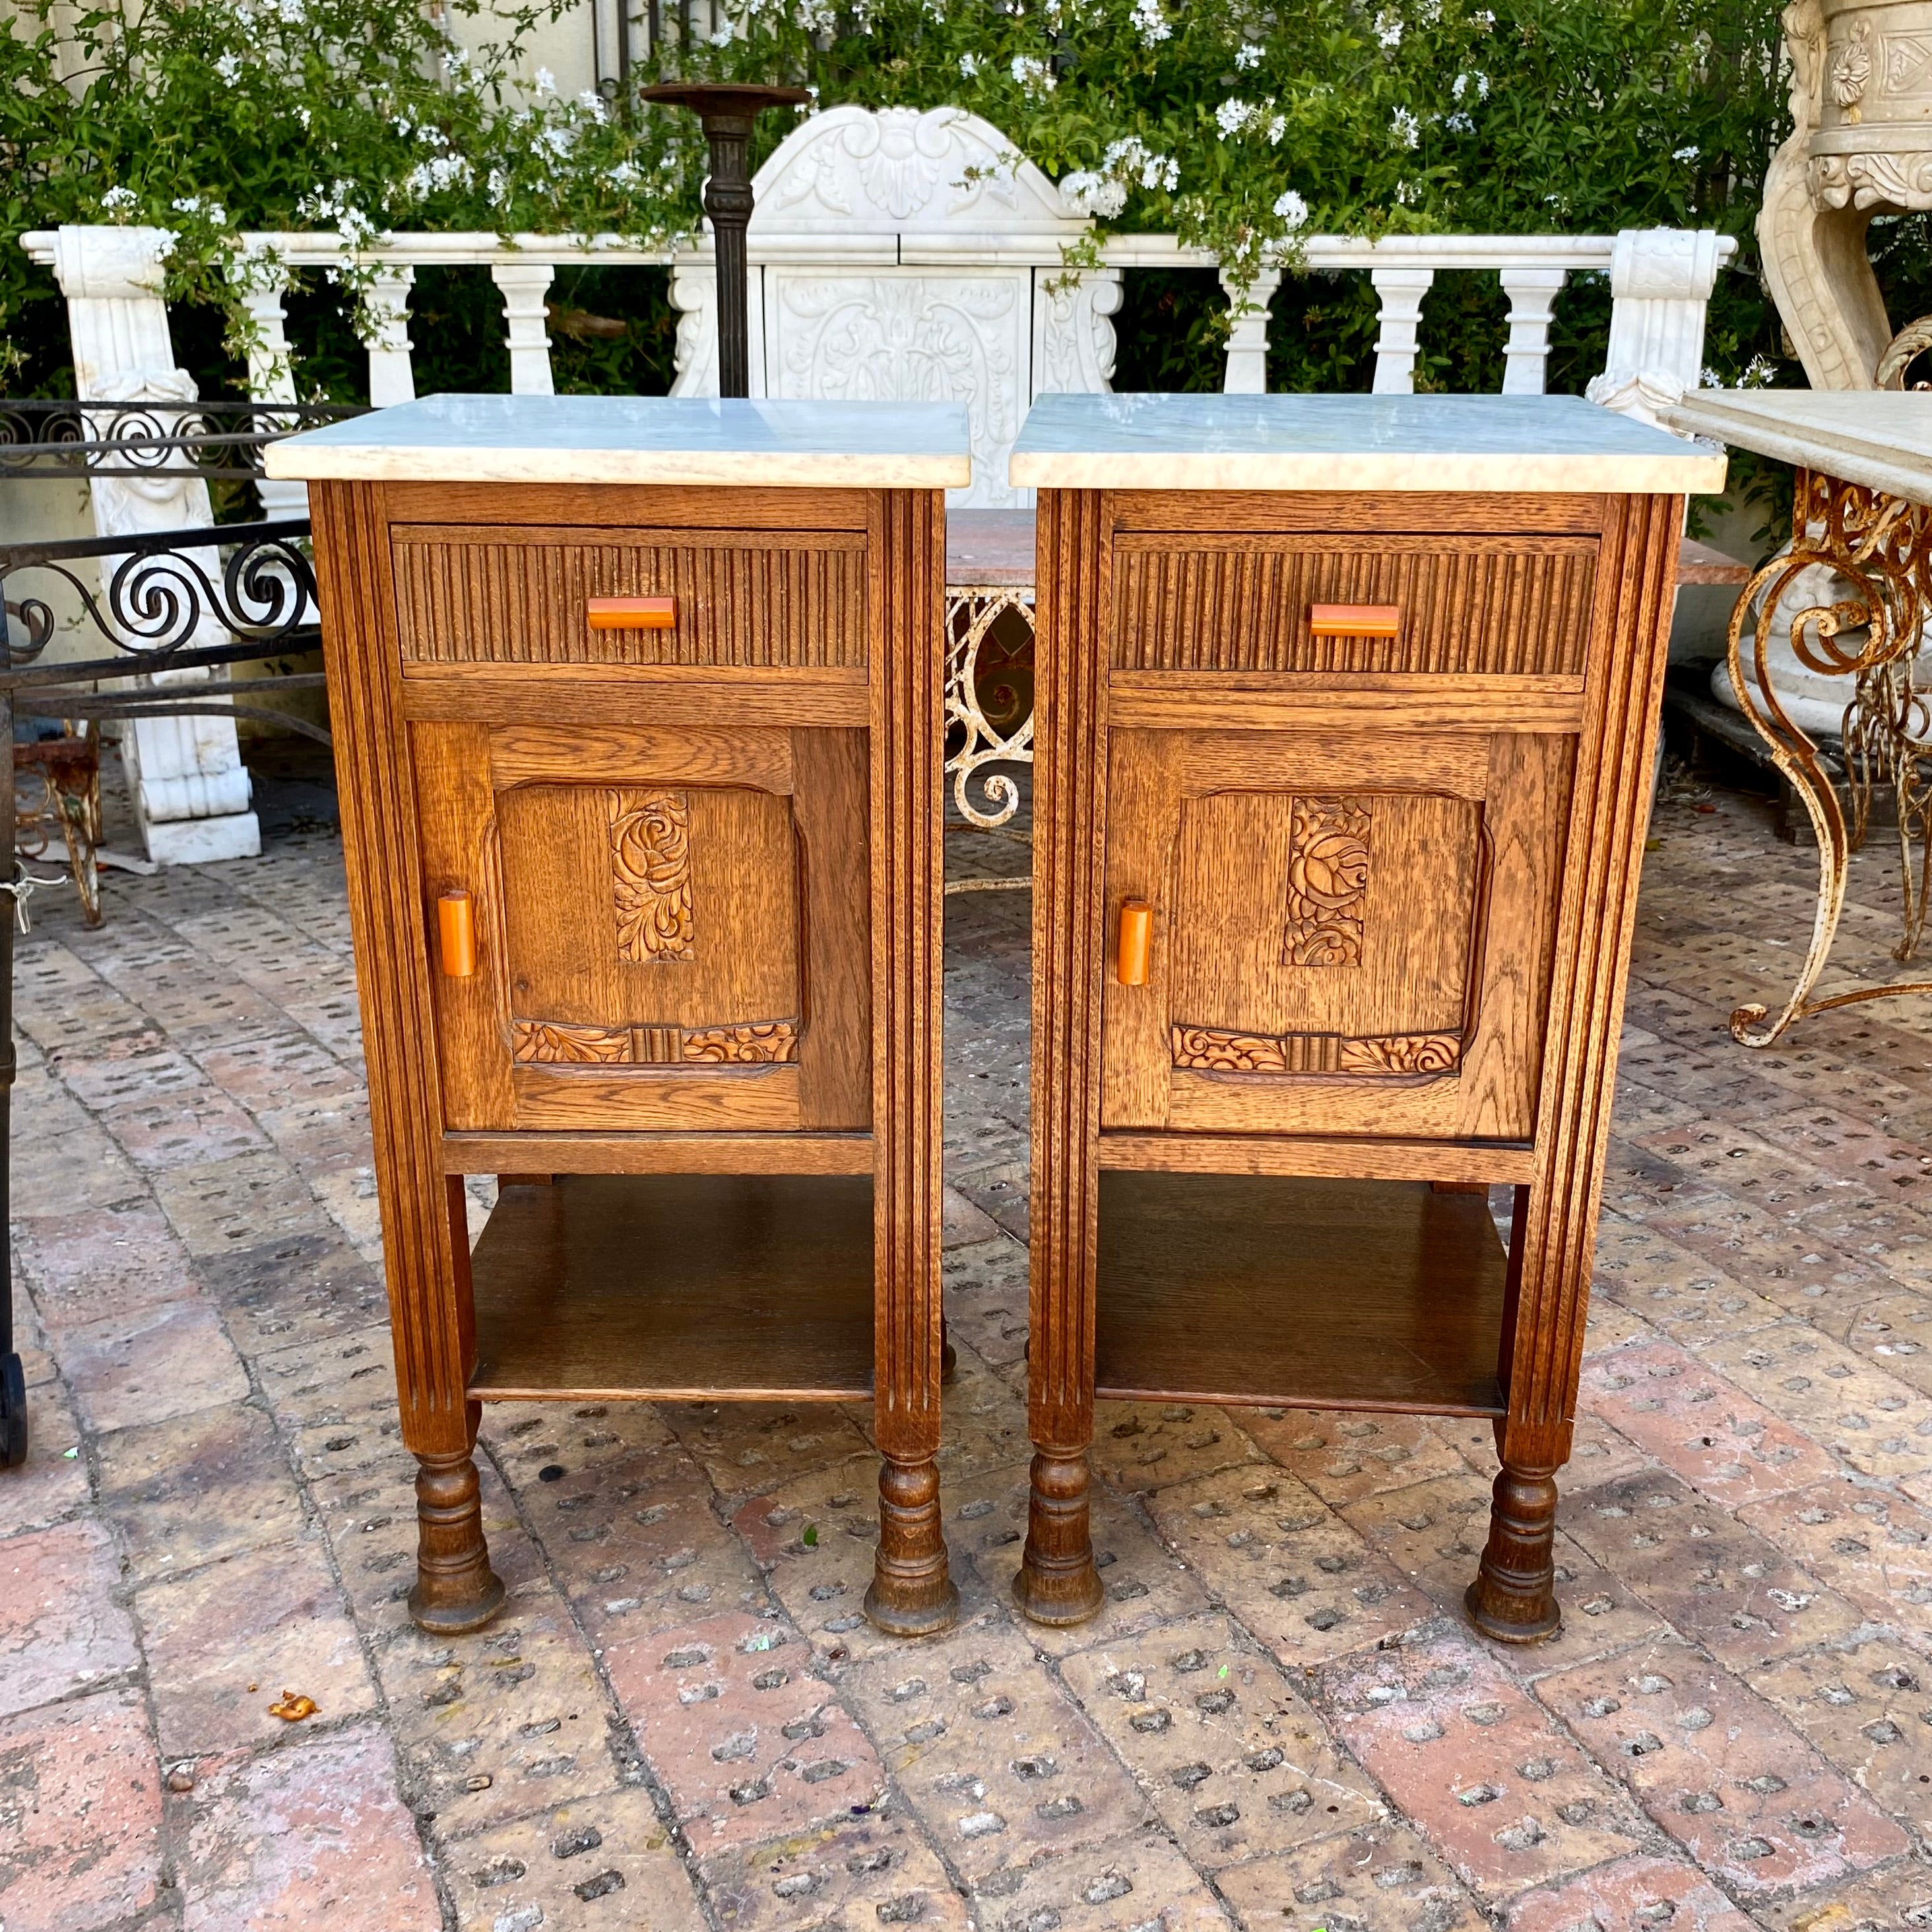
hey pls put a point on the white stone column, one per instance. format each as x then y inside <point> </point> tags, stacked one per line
<point>385,322</point>
<point>1532,294</point>
<point>525,285</point>
<point>1660,284</point>
<point>1401,291</point>
<point>190,788</point>
<point>1248,335</point>
<point>263,287</point>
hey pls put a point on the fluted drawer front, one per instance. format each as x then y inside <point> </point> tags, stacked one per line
<point>469,594</point>
<point>1497,605</point>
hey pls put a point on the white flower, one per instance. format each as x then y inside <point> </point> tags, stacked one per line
<point>545,81</point>
<point>446,171</point>
<point>1132,157</point>
<point>1759,374</point>
<point>1388,29</point>
<point>1408,193</point>
<point>1290,207</point>
<point>305,117</point>
<point>229,67</point>
<point>1461,84</point>
<point>626,174</point>
<point>1277,126</point>
<point>593,104</point>
<point>1231,116</point>
<point>1485,19</point>
<point>1684,154</point>
<point>558,140</point>
<point>496,186</point>
<point>1087,192</point>
<point>119,202</point>
<point>1404,126</point>
<point>1033,74</point>
<point>1247,55</point>
<point>969,65</point>
<point>1460,123</point>
<point>1151,23</point>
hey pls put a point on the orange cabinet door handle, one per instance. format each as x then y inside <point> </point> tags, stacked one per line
<point>632,614</point>
<point>1354,620</point>
<point>456,933</point>
<point>1130,956</point>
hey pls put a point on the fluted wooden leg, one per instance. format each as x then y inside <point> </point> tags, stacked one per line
<point>1514,1598</point>
<point>456,1589</point>
<point>1057,1583</point>
<point>912,1593</point>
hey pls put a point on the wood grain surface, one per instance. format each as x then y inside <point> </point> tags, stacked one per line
<point>676,1288</point>
<point>520,594</point>
<point>1301,1293</point>
<point>1221,602</point>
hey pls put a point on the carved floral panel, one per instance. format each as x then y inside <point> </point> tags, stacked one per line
<point>650,874</point>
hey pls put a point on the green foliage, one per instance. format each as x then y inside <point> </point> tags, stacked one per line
<point>1238,124</point>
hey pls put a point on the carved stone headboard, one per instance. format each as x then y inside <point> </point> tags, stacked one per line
<point>949,283</point>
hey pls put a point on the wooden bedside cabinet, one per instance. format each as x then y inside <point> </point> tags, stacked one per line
<point>637,706</point>
<point>1345,712</point>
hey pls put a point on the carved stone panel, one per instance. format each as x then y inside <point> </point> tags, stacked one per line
<point>906,335</point>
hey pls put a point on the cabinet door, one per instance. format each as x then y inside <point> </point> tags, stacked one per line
<point>1351,932</point>
<point>672,925</point>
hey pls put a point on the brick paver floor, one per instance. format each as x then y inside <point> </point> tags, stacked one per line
<point>681,1719</point>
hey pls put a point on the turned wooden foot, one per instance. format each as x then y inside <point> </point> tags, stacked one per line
<point>456,1589</point>
<point>1514,1598</point>
<point>1057,1583</point>
<point>912,1593</point>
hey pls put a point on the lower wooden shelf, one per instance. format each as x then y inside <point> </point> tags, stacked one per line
<point>667,1288</point>
<point>1298,1293</point>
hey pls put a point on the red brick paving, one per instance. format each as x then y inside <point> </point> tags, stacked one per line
<point>1278,1719</point>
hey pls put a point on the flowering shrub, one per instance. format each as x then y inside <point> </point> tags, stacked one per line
<point>1241,126</point>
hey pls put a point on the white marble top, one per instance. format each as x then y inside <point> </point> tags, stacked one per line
<point>1881,438</point>
<point>638,440</point>
<point>1350,443</point>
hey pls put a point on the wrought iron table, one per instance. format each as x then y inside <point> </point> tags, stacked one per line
<point>1862,507</point>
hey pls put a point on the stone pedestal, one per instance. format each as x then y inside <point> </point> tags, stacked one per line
<point>190,789</point>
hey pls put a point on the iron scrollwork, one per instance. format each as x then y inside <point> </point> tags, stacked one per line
<point>215,441</point>
<point>988,697</point>
<point>1881,546</point>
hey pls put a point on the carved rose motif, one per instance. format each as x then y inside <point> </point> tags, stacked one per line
<point>650,874</point>
<point>1327,877</point>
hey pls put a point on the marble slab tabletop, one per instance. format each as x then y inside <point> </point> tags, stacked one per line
<point>1881,438</point>
<point>686,440</point>
<point>1540,443</point>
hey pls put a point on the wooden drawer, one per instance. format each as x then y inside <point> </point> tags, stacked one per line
<point>1240,602</point>
<point>480,593</point>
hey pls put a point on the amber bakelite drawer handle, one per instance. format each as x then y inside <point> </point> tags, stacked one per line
<point>632,614</point>
<point>1354,620</point>
<point>1136,940</point>
<point>456,933</point>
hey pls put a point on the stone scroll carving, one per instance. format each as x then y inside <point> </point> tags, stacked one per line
<point>1861,144</point>
<point>901,256</point>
